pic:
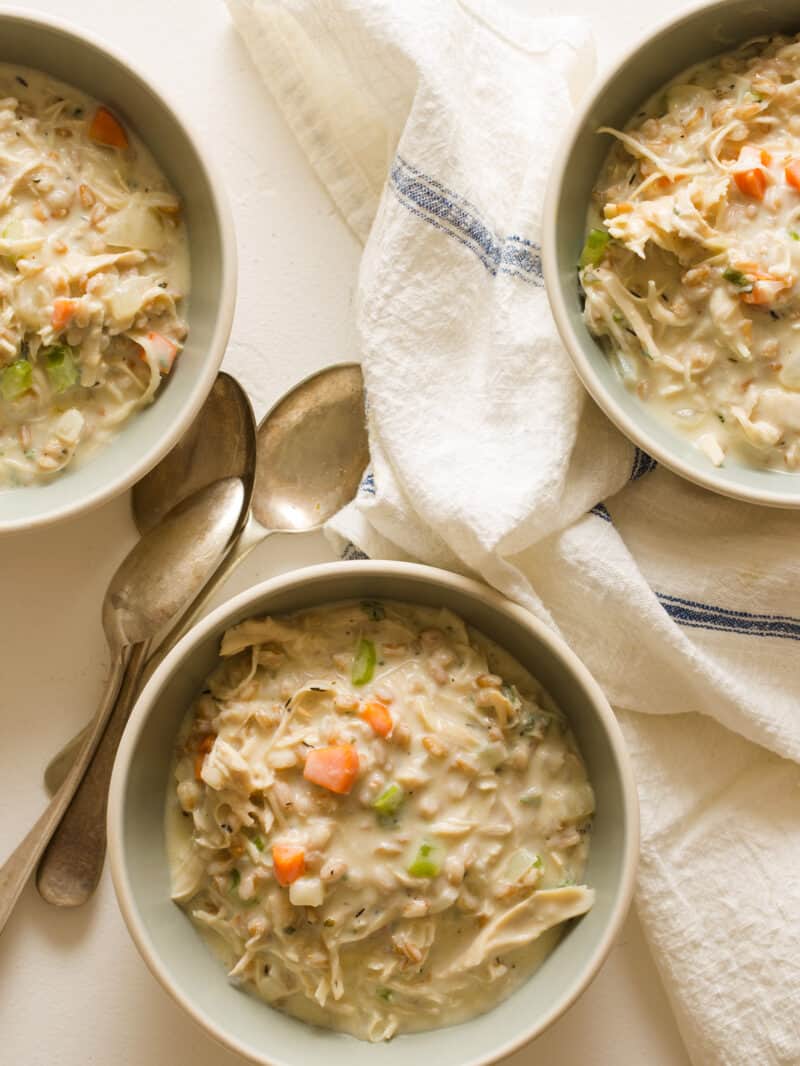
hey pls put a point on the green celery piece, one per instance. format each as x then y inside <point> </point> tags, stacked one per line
<point>736,277</point>
<point>59,366</point>
<point>16,379</point>
<point>390,800</point>
<point>426,862</point>
<point>363,662</point>
<point>258,841</point>
<point>595,247</point>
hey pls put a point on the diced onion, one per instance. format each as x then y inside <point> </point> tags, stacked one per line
<point>306,892</point>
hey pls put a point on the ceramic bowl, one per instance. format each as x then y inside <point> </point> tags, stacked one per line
<point>73,56</point>
<point>171,946</point>
<point>692,36</point>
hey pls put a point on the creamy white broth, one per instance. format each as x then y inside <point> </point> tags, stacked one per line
<point>691,269</point>
<point>439,880</point>
<point>94,271</point>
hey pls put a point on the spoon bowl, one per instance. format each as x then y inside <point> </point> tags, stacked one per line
<point>220,443</point>
<point>312,451</point>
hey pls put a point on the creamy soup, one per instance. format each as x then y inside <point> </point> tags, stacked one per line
<point>93,271</point>
<point>379,819</point>
<point>690,269</point>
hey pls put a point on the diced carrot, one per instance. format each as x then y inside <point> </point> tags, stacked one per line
<point>765,290</point>
<point>289,862</point>
<point>63,310</point>
<point>106,129</point>
<point>752,183</point>
<point>792,173</point>
<point>377,715</point>
<point>203,748</point>
<point>334,768</point>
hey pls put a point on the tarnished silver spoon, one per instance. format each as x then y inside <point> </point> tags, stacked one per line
<point>208,480</point>
<point>221,442</point>
<point>312,449</point>
<point>164,570</point>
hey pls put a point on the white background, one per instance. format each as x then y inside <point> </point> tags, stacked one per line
<point>74,991</point>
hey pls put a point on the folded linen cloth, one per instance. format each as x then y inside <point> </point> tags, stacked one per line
<point>432,123</point>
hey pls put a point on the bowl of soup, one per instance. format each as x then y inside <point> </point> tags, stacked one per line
<point>373,809</point>
<point>671,252</point>
<point>117,273</point>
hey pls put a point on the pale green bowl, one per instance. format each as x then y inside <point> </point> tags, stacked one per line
<point>171,946</point>
<point>694,35</point>
<point>36,40</point>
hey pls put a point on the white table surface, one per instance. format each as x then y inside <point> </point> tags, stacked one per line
<point>74,991</point>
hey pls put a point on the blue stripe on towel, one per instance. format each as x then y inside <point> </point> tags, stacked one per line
<point>439,206</point>
<point>352,552</point>
<point>696,615</point>
<point>642,464</point>
<point>601,511</point>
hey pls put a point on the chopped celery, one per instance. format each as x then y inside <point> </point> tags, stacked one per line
<point>426,862</point>
<point>16,379</point>
<point>60,367</point>
<point>258,841</point>
<point>390,800</point>
<point>363,662</point>
<point>236,877</point>
<point>736,277</point>
<point>595,247</point>
<point>384,993</point>
<point>794,235</point>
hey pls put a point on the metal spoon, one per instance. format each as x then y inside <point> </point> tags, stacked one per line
<point>165,569</point>
<point>312,449</point>
<point>221,442</point>
<point>219,448</point>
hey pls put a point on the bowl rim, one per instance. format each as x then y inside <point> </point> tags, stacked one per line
<point>714,479</point>
<point>226,299</point>
<point>309,575</point>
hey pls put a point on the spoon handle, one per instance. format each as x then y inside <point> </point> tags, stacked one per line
<point>73,860</point>
<point>251,535</point>
<point>18,867</point>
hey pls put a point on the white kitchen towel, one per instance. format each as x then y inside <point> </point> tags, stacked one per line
<point>432,124</point>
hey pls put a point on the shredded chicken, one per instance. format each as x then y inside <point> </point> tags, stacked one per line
<point>93,271</point>
<point>355,882</point>
<point>691,267</point>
